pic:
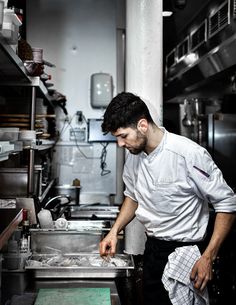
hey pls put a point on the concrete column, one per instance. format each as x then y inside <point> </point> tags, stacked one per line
<point>144,78</point>
<point>144,48</point>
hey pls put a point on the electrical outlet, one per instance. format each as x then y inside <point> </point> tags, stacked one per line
<point>80,116</point>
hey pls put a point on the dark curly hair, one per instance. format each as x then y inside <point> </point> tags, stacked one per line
<point>125,110</point>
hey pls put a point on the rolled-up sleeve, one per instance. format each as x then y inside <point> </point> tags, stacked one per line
<point>208,182</point>
<point>128,177</point>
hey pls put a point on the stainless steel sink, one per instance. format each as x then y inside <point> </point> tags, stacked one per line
<point>78,236</point>
<point>65,241</point>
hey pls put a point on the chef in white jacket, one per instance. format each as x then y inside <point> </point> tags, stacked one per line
<point>170,181</point>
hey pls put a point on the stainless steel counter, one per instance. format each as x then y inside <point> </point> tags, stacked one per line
<point>124,291</point>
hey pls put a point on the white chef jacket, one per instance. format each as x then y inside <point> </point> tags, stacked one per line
<point>173,186</point>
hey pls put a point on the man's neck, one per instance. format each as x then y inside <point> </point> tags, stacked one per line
<point>155,135</point>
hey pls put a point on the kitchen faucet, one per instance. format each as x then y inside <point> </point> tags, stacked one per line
<point>58,207</point>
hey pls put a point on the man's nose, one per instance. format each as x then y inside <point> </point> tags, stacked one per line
<point>120,142</point>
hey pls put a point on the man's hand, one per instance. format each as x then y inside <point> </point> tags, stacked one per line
<point>107,246</point>
<point>201,272</point>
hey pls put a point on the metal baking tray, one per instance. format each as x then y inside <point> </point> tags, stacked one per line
<point>65,266</point>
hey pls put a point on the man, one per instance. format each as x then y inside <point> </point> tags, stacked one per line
<point>169,183</point>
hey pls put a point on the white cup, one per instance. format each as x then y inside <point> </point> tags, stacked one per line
<point>37,55</point>
<point>27,135</point>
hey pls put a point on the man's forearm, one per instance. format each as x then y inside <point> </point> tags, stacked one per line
<point>222,226</point>
<point>126,214</point>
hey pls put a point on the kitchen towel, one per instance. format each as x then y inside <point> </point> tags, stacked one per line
<point>176,277</point>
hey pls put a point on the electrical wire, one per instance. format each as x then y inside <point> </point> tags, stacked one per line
<point>103,164</point>
<point>77,145</point>
<point>63,129</point>
<point>103,156</point>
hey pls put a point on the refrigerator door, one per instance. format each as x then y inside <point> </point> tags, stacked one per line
<point>222,144</point>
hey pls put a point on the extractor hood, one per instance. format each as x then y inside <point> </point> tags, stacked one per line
<point>207,52</point>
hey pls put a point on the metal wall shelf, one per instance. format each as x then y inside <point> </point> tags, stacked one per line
<point>12,71</point>
<point>11,67</point>
<point>13,74</point>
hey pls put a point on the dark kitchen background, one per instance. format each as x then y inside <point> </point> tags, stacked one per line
<point>199,98</point>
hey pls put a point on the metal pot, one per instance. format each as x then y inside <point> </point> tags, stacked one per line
<point>70,190</point>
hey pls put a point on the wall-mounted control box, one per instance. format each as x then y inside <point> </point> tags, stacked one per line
<point>95,133</point>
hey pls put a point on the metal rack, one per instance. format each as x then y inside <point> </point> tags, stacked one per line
<point>12,74</point>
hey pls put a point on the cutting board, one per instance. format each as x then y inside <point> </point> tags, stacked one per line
<point>73,296</point>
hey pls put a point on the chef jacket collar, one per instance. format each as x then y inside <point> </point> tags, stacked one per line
<point>158,149</point>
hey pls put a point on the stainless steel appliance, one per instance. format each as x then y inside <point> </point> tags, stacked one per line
<point>14,182</point>
<point>213,129</point>
<point>222,144</point>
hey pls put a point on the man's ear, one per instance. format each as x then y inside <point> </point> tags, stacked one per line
<point>142,126</point>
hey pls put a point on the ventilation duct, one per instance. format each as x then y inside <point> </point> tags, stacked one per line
<point>206,52</point>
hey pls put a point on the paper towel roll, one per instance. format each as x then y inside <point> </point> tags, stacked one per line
<point>135,237</point>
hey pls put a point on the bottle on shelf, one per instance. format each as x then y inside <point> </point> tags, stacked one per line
<point>25,233</point>
<point>45,219</point>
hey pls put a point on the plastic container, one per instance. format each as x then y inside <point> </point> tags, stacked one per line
<point>11,261</point>
<point>10,27</point>
<point>45,219</point>
<point>9,134</point>
<point>15,261</point>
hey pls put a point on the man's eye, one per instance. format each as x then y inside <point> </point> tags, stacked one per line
<point>123,136</point>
